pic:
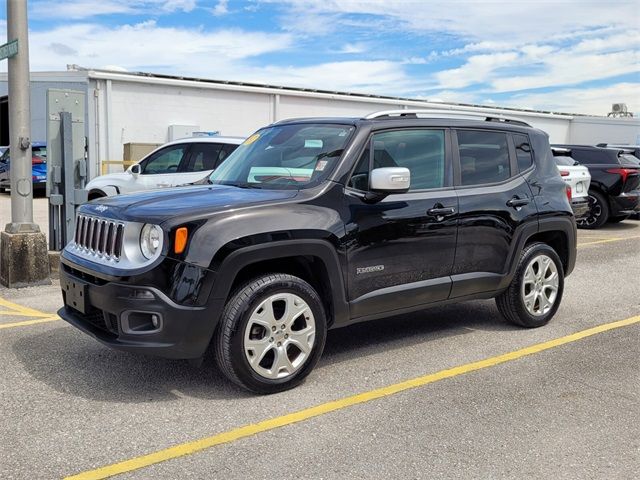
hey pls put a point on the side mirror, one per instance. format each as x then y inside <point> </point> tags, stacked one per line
<point>135,170</point>
<point>390,180</point>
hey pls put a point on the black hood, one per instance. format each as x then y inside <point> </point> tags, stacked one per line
<point>158,206</point>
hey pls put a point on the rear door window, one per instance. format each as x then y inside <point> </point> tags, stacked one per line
<point>484,157</point>
<point>204,156</point>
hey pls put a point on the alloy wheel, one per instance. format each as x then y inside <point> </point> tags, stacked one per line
<point>595,210</point>
<point>540,285</point>
<point>279,336</point>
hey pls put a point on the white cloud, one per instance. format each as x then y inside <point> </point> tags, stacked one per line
<point>221,54</point>
<point>481,20</point>
<point>570,69</point>
<point>221,8</point>
<point>352,48</point>
<point>148,46</point>
<point>478,69</point>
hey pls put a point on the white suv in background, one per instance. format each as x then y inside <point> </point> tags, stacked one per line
<point>575,176</point>
<point>176,163</point>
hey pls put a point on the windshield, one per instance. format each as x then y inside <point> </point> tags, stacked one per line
<point>285,157</point>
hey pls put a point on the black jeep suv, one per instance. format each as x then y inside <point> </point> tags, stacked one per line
<point>319,223</point>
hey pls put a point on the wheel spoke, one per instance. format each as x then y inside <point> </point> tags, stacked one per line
<point>544,303</point>
<point>529,275</point>
<point>281,363</point>
<point>259,349</point>
<point>295,307</point>
<point>263,315</point>
<point>303,339</point>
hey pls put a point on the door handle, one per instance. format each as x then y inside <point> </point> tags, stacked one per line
<point>516,202</point>
<point>441,211</point>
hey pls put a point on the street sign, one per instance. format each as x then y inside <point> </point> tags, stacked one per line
<point>9,49</point>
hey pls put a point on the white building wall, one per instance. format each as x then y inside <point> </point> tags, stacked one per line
<point>594,130</point>
<point>143,112</point>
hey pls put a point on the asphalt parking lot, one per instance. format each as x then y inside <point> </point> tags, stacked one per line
<point>451,392</point>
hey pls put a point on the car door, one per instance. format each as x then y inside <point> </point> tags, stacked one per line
<point>401,249</point>
<point>160,169</point>
<point>494,201</point>
<point>203,159</point>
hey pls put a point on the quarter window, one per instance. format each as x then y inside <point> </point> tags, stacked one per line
<point>523,151</point>
<point>484,157</point>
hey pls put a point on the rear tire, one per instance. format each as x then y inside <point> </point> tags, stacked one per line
<point>271,333</point>
<point>598,211</point>
<point>535,293</point>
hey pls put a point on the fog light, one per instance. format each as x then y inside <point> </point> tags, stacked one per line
<point>155,321</point>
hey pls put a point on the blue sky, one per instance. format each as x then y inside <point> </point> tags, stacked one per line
<point>575,56</point>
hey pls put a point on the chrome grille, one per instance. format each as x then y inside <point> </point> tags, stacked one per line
<point>99,236</point>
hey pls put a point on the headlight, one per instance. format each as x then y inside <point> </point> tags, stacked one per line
<point>150,240</point>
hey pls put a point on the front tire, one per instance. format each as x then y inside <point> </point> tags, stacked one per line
<point>271,334</point>
<point>94,195</point>
<point>534,295</point>
<point>598,211</point>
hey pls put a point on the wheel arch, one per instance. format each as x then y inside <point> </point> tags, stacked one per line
<point>315,261</point>
<point>103,191</point>
<point>559,232</point>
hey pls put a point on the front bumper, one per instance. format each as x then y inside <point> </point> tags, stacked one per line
<point>115,314</point>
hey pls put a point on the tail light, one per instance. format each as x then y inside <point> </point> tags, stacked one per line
<point>569,193</point>
<point>623,172</point>
<point>564,173</point>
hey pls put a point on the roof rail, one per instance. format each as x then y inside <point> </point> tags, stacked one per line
<point>386,114</point>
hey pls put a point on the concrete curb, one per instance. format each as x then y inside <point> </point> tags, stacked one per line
<point>54,265</point>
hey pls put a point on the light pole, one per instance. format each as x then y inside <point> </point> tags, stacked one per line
<point>24,247</point>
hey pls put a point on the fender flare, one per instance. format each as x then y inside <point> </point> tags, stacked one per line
<point>566,225</point>
<point>320,249</point>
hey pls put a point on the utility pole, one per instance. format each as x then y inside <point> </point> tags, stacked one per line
<point>23,247</point>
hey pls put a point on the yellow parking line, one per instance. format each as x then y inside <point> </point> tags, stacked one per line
<point>26,323</point>
<point>13,313</point>
<point>277,422</point>
<point>608,240</point>
<point>21,310</point>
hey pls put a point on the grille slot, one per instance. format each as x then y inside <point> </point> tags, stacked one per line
<point>100,237</point>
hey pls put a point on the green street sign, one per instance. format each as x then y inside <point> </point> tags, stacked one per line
<point>9,49</point>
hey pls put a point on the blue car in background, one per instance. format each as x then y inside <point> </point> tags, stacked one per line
<point>38,165</point>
